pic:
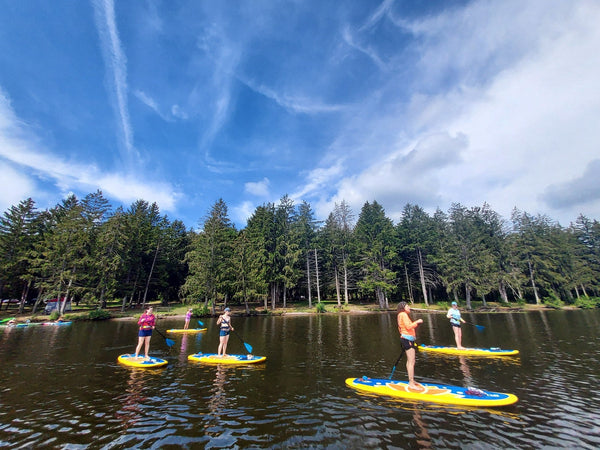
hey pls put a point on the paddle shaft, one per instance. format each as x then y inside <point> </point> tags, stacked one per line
<point>479,327</point>
<point>397,361</point>
<point>248,346</point>
<point>169,342</point>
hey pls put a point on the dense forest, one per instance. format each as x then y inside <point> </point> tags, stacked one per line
<point>86,251</point>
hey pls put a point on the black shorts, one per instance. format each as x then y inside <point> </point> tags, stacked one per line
<point>457,325</point>
<point>407,345</point>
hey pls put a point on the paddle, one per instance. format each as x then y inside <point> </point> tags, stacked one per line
<point>479,327</point>
<point>200,323</point>
<point>248,346</point>
<point>170,342</point>
<point>397,361</point>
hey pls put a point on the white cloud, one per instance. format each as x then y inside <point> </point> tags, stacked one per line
<point>259,188</point>
<point>242,212</point>
<point>22,150</point>
<point>518,121</point>
<point>116,66</point>
<point>15,186</point>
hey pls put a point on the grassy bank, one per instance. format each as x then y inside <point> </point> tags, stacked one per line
<point>325,307</point>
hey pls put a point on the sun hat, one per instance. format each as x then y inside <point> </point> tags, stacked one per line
<point>454,304</point>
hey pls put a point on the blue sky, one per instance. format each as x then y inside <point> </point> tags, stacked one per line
<point>408,101</point>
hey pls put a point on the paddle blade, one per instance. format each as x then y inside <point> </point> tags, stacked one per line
<point>200,323</point>
<point>170,342</point>
<point>248,347</point>
<point>480,327</point>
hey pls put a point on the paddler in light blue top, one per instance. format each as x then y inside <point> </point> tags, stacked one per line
<point>456,321</point>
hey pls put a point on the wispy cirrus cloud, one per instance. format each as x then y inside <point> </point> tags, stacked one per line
<point>116,72</point>
<point>27,163</point>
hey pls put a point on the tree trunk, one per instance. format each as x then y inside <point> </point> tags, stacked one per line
<point>502,290</point>
<point>337,286</point>
<point>308,276</point>
<point>62,306</point>
<point>409,287</point>
<point>345,282</point>
<point>468,295</point>
<point>422,276</point>
<point>317,276</point>
<point>150,275</point>
<point>535,292</point>
<point>24,296</point>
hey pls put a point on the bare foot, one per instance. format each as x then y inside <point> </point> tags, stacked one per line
<point>416,387</point>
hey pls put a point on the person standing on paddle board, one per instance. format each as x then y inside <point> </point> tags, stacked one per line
<point>188,317</point>
<point>225,328</point>
<point>147,321</point>
<point>408,336</point>
<point>456,321</point>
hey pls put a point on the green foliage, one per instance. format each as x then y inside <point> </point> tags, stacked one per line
<point>587,302</point>
<point>553,301</point>
<point>320,307</point>
<point>99,314</point>
<point>84,250</point>
<point>200,310</point>
<point>54,315</point>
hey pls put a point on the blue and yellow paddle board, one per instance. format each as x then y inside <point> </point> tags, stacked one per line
<point>435,393</point>
<point>140,361</point>
<point>189,330</point>
<point>213,358</point>
<point>493,351</point>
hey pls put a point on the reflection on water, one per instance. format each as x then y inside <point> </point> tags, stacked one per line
<point>62,387</point>
<point>464,368</point>
<point>131,410</point>
<point>218,396</point>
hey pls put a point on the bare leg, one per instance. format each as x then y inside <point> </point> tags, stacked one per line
<point>222,345</point>
<point>410,370</point>
<point>147,348</point>
<point>139,346</point>
<point>225,341</point>
<point>458,337</point>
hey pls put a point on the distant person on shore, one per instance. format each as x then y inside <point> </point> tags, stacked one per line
<point>456,321</point>
<point>408,336</point>
<point>225,328</point>
<point>188,317</point>
<point>146,323</point>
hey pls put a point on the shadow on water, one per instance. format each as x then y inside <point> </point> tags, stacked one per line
<point>62,386</point>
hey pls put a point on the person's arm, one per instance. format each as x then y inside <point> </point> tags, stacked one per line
<point>409,324</point>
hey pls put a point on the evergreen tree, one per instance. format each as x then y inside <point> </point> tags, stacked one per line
<point>17,237</point>
<point>376,250</point>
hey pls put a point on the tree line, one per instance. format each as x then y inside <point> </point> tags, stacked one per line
<point>85,251</point>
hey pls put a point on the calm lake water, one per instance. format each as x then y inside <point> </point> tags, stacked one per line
<point>61,387</point>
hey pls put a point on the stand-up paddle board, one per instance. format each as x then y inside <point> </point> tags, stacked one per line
<point>56,323</point>
<point>436,393</point>
<point>493,351</point>
<point>189,330</point>
<point>213,358</point>
<point>6,319</point>
<point>140,361</point>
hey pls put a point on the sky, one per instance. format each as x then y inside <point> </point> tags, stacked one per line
<point>183,103</point>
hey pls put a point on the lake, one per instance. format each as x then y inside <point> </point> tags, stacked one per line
<point>62,387</point>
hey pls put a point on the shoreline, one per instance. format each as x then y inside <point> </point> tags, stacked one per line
<point>301,310</point>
